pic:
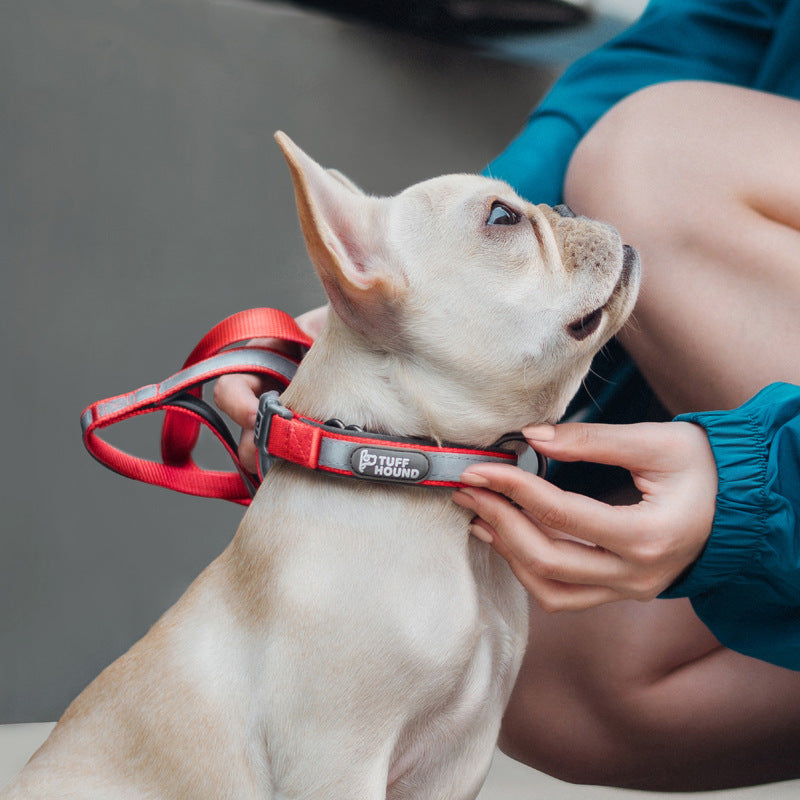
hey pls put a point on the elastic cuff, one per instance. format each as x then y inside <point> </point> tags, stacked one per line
<point>740,516</point>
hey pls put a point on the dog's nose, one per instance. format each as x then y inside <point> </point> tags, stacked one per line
<point>564,210</point>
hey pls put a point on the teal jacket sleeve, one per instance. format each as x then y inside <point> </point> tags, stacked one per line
<point>672,40</point>
<point>746,584</point>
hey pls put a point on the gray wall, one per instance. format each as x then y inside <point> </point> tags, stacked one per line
<point>142,200</point>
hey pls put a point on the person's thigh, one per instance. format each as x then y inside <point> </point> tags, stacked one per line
<point>701,178</point>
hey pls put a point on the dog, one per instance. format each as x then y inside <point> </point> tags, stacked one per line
<point>353,641</point>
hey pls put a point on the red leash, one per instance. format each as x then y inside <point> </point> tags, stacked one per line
<point>180,396</point>
<point>326,446</point>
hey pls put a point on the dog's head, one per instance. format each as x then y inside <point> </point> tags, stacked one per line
<point>491,307</point>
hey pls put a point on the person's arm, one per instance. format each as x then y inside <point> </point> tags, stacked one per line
<point>719,520</point>
<point>672,40</point>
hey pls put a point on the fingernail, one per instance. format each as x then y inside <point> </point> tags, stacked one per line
<point>540,433</point>
<point>464,498</point>
<point>480,533</point>
<point>472,479</point>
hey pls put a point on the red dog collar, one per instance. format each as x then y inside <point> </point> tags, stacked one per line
<point>279,432</point>
<point>330,447</point>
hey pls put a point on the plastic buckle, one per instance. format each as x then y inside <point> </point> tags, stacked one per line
<point>269,404</point>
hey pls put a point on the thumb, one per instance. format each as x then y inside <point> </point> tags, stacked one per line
<point>632,447</point>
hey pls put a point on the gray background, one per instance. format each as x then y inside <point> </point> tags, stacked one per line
<point>142,200</point>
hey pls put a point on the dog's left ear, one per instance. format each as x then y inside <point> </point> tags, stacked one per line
<point>344,231</point>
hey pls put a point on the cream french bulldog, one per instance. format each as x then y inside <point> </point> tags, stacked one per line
<point>353,642</point>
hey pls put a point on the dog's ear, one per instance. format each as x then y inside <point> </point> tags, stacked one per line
<point>344,231</point>
<point>344,180</point>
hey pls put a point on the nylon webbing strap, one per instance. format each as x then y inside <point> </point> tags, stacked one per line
<point>279,432</point>
<point>180,396</point>
<point>368,456</point>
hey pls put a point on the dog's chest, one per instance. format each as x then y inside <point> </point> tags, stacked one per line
<point>383,597</point>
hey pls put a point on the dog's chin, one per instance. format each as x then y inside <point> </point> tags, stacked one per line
<point>617,304</point>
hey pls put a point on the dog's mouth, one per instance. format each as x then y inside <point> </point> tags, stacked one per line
<point>585,326</point>
<point>588,324</point>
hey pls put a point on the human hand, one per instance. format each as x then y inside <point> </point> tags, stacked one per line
<point>572,552</point>
<point>237,394</point>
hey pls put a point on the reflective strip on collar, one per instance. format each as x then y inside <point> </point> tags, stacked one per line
<point>312,444</point>
<point>375,461</point>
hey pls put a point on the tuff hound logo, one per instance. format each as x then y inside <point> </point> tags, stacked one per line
<point>385,464</point>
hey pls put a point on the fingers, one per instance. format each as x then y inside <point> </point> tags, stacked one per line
<point>574,514</point>
<point>237,395</point>
<point>551,595</point>
<point>550,558</point>
<point>312,322</point>
<point>642,446</point>
<point>248,453</point>
<point>640,549</point>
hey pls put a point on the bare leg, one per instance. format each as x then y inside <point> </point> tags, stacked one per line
<point>642,696</point>
<point>702,179</point>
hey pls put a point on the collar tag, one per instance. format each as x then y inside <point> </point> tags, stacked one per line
<point>396,465</point>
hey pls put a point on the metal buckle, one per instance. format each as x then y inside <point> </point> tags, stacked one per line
<point>269,404</point>
<point>541,460</point>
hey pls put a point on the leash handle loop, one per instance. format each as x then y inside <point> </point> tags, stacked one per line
<point>180,396</point>
<point>180,432</point>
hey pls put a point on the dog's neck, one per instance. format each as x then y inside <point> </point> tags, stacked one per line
<point>343,376</point>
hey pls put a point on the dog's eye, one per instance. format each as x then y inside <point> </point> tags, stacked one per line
<point>501,214</point>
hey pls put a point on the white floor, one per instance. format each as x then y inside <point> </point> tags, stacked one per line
<point>507,779</point>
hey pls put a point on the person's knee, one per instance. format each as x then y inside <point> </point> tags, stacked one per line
<point>632,164</point>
